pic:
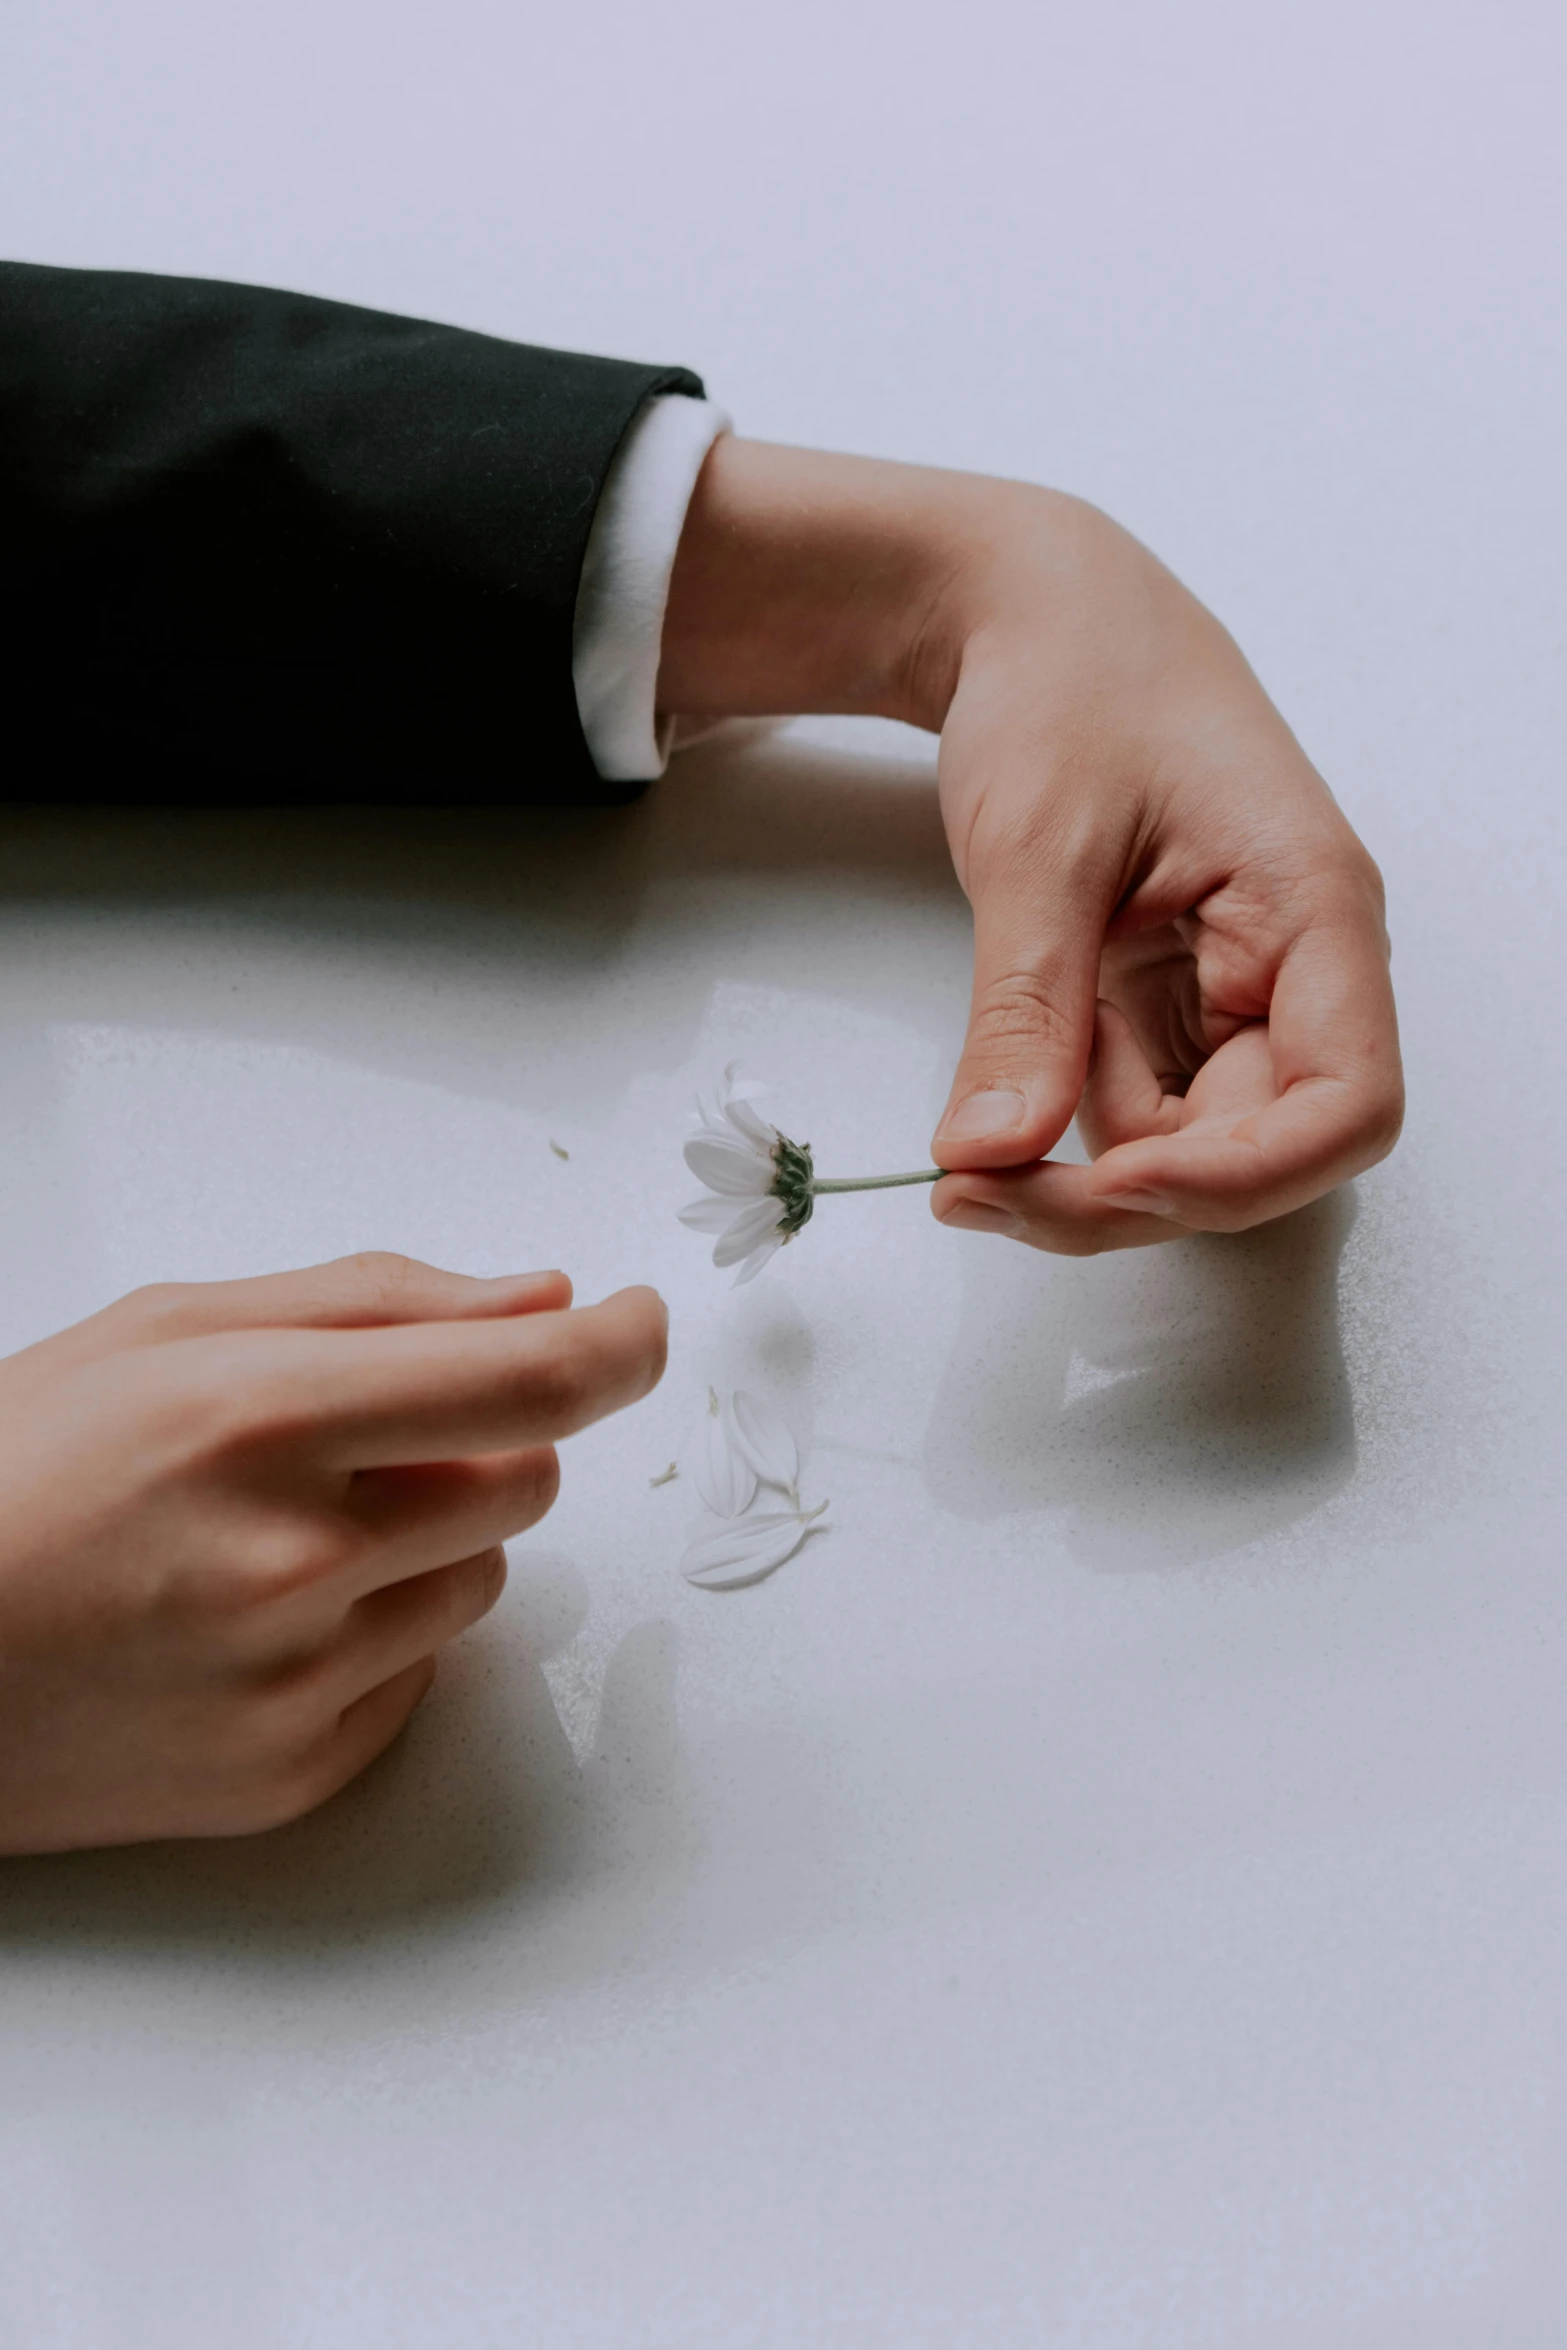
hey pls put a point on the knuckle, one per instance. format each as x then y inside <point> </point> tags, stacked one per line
<point>658,1348</point>
<point>382,1282</point>
<point>271,1799</point>
<point>257,1774</point>
<point>491,1574</point>
<point>1067,1239</point>
<point>208,1395</point>
<point>277,1562</point>
<point>560,1389</point>
<point>285,1714</point>
<point>309,1552</point>
<point>539,1487</point>
<point>473,1589</point>
<point>1365,874</point>
<point>1381,1125</point>
<point>156,1309</point>
<point>1021,1007</point>
<point>1227,1218</point>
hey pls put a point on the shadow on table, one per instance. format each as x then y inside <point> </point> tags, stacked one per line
<point>1176,1403</point>
<point>482,1804</point>
<point>540,906</point>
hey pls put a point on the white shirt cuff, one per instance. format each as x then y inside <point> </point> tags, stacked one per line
<point>619,629</point>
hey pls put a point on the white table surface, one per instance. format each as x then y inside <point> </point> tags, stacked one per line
<point>1109,1891</point>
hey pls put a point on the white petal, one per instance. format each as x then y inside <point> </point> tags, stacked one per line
<point>710,1213</point>
<point>744,1551</point>
<point>712,1121</point>
<point>730,1089</point>
<point>765,1441</point>
<point>749,1227</point>
<point>733,1168</point>
<point>755,1129</point>
<point>757,1259</point>
<point>724,1477</point>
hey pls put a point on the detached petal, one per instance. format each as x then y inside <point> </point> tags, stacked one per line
<point>733,1168</point>
<point>744,1551</point>
<point>724,1477</point>
<point>748,1229</point>
<point>765,1441</point>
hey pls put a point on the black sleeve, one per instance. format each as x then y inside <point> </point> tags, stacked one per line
<point>259,547</point>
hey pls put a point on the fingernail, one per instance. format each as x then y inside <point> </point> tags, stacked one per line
<point>972,1215</point>
<point>982,1115</point>
<point>1147,1203</point>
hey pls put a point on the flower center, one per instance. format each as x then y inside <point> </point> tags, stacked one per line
<point>793,1168</point>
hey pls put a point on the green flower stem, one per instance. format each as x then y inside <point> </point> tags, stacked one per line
<point>821,1183</point>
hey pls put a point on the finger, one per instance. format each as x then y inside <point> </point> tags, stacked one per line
<point>1047,1207</point>
<point>416,1518</point>
<point>1123,1099</point>
<point>390,1630</point>
<point>1152,978</point>
<point>1333,1039</point>
<point>366,1291</point>
<point>1041,903</point>
<point>444,1391</point>
<point>365,1729</point>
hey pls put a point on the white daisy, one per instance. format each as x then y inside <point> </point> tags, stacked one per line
<point>761,1186</point>
<point>757,1180</point>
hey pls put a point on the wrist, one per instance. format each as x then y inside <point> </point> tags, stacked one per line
<point>812,582</point>
<point>806,581</point>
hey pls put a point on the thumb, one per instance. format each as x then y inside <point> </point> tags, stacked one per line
<point>1038,928</point>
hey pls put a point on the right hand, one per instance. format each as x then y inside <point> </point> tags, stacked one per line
<point>241,1517</point>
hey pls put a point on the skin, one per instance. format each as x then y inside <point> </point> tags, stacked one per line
<point>1177,937</point>
<point>243,1518</point>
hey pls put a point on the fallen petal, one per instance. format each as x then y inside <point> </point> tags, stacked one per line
<point>724,1477</point>
<point>765,1441</point>
<point>744,1551</point>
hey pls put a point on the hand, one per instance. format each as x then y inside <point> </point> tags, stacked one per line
<point>1177,936</point>
<point>242,1517</point>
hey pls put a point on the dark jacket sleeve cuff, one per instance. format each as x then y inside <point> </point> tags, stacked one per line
<point>254,545</point>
